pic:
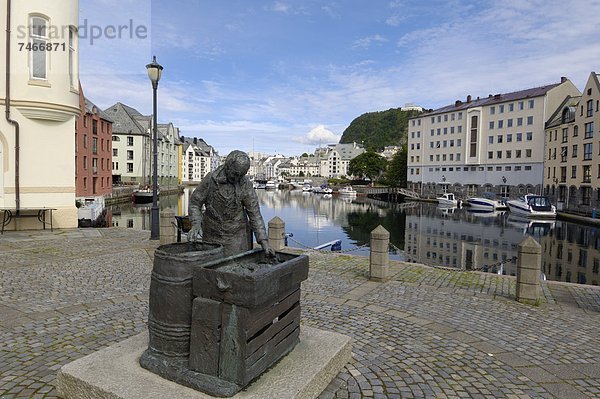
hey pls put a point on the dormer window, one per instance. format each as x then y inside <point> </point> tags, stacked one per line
<point>39,40</point>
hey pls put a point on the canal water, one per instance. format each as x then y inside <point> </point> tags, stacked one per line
<point>419,232</point>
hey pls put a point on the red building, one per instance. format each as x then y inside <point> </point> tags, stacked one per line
<point>93,150</point>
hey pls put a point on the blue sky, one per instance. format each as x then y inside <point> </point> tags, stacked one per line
<point>284,76</point>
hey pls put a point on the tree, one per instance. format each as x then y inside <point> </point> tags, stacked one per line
<point>368,164</point>
<point>396,172</point>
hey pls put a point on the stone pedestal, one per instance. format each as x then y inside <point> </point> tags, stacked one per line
<point>529,266</point>
<point>168,232</point>
<point>115,373</point>
<point>379,260</point>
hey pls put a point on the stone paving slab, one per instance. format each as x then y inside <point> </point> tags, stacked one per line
<point>427,333</point>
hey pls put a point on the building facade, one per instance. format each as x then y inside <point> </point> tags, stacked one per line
<point>40,97</point>
<point>93,150</point>
<point>572,169</point>
<point>199,159</point>
<point>133,148</point>
<point>494,143</point>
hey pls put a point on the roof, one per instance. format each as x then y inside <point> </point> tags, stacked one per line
<point>126,120</point>
<point>91,108</point>
<point>491,100</point>
<point>570,104</point>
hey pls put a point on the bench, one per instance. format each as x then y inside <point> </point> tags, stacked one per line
<point>183,226</point>
<point>8,214</point>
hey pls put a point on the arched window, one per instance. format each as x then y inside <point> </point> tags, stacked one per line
<point>38,40</point>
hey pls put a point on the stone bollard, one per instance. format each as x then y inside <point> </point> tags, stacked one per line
<point>379,260</point>
<point>277,233</point>
<point>529,266</point>
<point>168,232</point>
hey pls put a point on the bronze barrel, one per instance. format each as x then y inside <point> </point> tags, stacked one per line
<point>170,313</point>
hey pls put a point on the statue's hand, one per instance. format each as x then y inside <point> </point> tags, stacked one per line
<point>270,252</point>
<point>195,233</point>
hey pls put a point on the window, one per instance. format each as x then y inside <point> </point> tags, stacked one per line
<point>509,138</point>
<point>574,171</point>
<point>565,135</point>
<point>491,125</point>
<point>451,143</point>
<point>499,154</point>
<point>129,167</point>
<point>459,115</point>
<point>431,144</point>
<point>438,131</point>
<point>95,165</point>
<point>439,118</point>
<point>587,174</point>
<point>511,107</point>
<point>528,167</point>
<point>589,130</point>
<point>116,138</point>
<point>527,153</point>
<point>129,141</point>
<point>85,162</point>
<point>459,129</point>
<point>492,110</point>
<point>530,120</point>
<point>519,136</point>
<point>574,151</point>
<point>39,40</point>
<point>531,104</point>
<point>587,151</point>
<point>445,130</point>
<point>501,108</point>
<point>491,140</point>
<point>521,105</point>
<point>500,124</point>
<point>519,121</point>
<point>575,131</point>
<point>499,140</point>
<point>508,154</point>
<point>590,108</point>
<point>490,154</point>
<point>563,154</point>
<point>85,141</point>
<point>529,136</point>
<point>458,156</point>
<point>72,59</point>
<point>509,123</point>
<point>517,168</point>
<point>94,145</point>
<point>452,129</point>
<point>458,142</point>
<point>94,126</point>
<point>517,153</point>
<point>129,155</point>
<point>446,118</point>
<point>473,141</point>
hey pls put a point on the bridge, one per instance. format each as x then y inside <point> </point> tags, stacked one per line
<point>391,192</point>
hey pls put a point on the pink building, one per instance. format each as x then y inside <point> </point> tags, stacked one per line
<point>93,150</point>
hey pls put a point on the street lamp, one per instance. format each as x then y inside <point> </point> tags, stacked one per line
<point>154,73</point>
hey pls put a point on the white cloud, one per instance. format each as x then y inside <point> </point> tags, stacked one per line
<point>319,135</point>
<point>366,42</point>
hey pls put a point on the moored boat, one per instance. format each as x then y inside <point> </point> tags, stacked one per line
<point>143,196</point>
<point>487,202</point>
<point>533,206</point>
<point>347,191</point>
<point>271,185</point>
<point>447,199</point>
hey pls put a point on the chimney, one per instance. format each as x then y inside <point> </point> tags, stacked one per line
<point>195,141</point>
<point>469,98</point>
<point>563,79</point>
<point>457,103</point>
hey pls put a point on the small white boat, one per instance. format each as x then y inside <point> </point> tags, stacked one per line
<point>487,202</point>
<point>447,199</point>
<point>322,189</point>
<point>144,196</point>
<point>347,191</point>
<point>307,188</point>
<point>271,185</point>
<point>532,206</point>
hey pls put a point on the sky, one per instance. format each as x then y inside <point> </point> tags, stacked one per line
<point>287,76</point>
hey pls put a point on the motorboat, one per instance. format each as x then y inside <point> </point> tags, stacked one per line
<point>487,202</point>
<point>447,199</point>
<point>347,191</point>
<point>322,189</point>
<point>532,206</point>
<point>144,195</point>
<point>307,188</point>
<point>532,226</point>
<point>271,185</point>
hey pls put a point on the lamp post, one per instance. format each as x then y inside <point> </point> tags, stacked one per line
<point>154,73</point>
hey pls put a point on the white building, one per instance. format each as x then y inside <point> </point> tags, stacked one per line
<point>37,135</point>
<point>199,159</point>
<point>334,162</point>
<point>494,143</point>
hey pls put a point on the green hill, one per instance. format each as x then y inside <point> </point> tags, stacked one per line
<point>379,129</point>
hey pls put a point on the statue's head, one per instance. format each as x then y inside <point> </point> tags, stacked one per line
<point>237,164</point>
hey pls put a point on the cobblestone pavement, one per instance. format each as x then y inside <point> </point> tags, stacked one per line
<point>427,333</point>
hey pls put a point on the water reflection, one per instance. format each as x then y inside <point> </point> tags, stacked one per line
<point>422,232</point>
